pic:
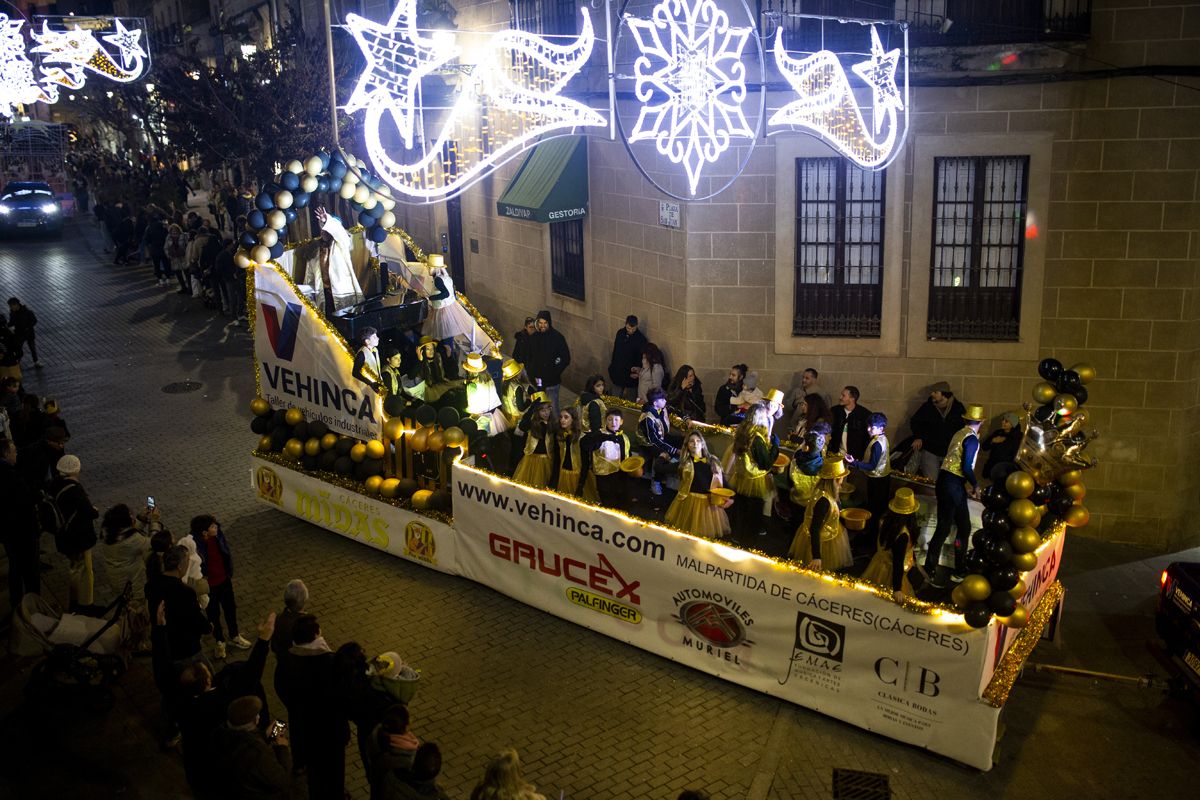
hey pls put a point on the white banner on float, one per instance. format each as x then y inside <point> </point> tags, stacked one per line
<point>356,516</point>
<point>841,650</point>
<point>302,364</point>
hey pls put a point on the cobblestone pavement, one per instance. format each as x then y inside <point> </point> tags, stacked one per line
<point>592,718</point>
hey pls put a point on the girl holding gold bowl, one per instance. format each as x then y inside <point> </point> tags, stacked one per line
<point>821,541</point>
<point>699,508</point>
<point>569,458</point>
<point>894,553</point>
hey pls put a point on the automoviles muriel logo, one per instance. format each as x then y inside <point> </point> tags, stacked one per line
<point>419,542</point>
<point>282,335</point>
<point>818,651</point>
<point>270,488</point>
<point>716,624</point>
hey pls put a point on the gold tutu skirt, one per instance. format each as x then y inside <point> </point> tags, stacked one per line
<point>695,514</point>
<point>534,470</point>
<point>568,480</point>
<point>879,571</point>
<point>835,552</point>
<point>761,487</point>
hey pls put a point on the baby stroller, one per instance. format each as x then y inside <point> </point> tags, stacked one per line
<point>83,654</point>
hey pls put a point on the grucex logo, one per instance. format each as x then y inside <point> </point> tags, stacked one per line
<point>282,336</point>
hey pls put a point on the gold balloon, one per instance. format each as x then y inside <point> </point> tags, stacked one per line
<point>436,441</point>
<point>1043,392</point>
<point>1023,512</point>
<point>1086,372</point>
<point>959,597</point>
<point>976,587</point>
<point>454,437</point>
<point>388,487</point>
<point>260,407</point>
<point>312,447</point>
<point>420,498</point>
<point>1070,477</point>
<point>264,444</point>
<point>1025,540</point>
<point>1019,618</point>
<point>419,441</point>
<point>375,449</point>
<point>1075,491</point>
<point>1077,516</point>
<point>294,449</point>
<point>358,453</point>
<point>393,428</point>
<point>373,484</point>
<point>1020,484</point>
<point>329,441</point>
<point>1024,561</point>
<point>1018,591</point>
<point>1065,404</point>
<point>294,416</point>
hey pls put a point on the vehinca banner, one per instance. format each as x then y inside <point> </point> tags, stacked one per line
<point>302,364</point>
<point>820,642</point>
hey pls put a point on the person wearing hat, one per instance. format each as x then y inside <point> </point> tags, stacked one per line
<point>249,764</point>
<point>955,482</point>
<point>430,371</point>
<point>626,358</point>
<point>483,402</point>
<point>750,461</point>
<point>894,545</point>
<point>78,536</point>
<point>604,450</point>
<point>821,541</point>
<point>591,403</point>
<point>549,357</point>
<point>1002,446</point>
<point>514,402</point>
<point>692,510</point>
<point>537,463</point>
<point>933,425</point>
<point>447,319</point>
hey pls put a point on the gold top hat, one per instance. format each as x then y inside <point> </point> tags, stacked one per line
<point>633,464</point>
<point>511,369</point>
<point>539,397</point>
<point>426,340</point>
<point>774,396</point>
<point>834,467</point>
<point>435,260</point>
<point>903,502</point>
<point>474,363</point>
<point>974,413</point>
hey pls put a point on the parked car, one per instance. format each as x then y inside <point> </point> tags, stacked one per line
<point>1177,619</point>
<point>30,207</point>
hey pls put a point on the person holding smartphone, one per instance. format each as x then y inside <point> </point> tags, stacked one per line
<point>252,765</point>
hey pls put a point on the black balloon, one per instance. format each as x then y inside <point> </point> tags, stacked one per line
<point>999,553</point>
<point>1041,494</point>
<point>1044,414</point>
<point>1001,527</point>
<point>279,438</point>
<point>977,614</point>
<point>301,431</point>
<point>310,462</point>
<point>425,414</point>
<point>1047,523</point>
<point>991,515</point>
<point>327,459</point>
<point>982,540</point>
<point>1002,603</point>
<point>343,447</point>
<point>317,429</point>
<point>996,498</point>
<point>975,563</point>
<point>279,416</point>
<point>1004,578</point>
<point>1069,381</point>
<point>1050,369</point>
<point>343,466</point>
<point>260,425</point>
<point>1081,395</point>
<point>1060,504</point>
<point>393,405</point>
<point>467,426</point>
<point>448,417</point>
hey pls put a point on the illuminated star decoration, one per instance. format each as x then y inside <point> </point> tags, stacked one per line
<point>73,47</point>
<point>397,58</point>
<point>128,42</point>
<point>692,101</point>
<point>827,107</point>
<point>16,70</point>
<point>880,74</point>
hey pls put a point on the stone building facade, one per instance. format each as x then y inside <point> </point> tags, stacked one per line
<point>1109,273</point>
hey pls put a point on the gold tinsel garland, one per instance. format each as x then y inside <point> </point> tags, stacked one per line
<point>351,485</point>
<point>998,688</point>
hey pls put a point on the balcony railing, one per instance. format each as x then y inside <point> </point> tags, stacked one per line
<point>932,23</point>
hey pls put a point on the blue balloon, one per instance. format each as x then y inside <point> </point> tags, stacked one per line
<point>376,211</point>
<point>365,219</point>
<point>272,188</point>
<point>336,157</point>
<point>300,199</point>
<point>290,214</point>
<point>290,181</point>
<point>277,250</point>
<point>324,159</point>
<point>249,239</point>
<point>337,170</point>
<point>256,220</point>
<point>378,234</point>
<point>264,202</point>
<point>322,184</point>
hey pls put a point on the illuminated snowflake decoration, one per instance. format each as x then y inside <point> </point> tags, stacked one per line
<point>691,81</point>
<point>128,42</point>
<point>17,86</point>
<point>78,50</point>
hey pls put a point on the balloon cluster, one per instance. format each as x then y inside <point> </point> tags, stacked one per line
<point>275,207</point>
<point>1043,491</point>
<point>313,445</point>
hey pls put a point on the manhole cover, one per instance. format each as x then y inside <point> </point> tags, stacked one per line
<point>851,784</point>
<point>181,387</point>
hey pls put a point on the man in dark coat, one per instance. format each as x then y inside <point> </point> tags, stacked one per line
<point>38,459</point>
<point>23,322</point>
<point>626,357</point>
<point>520,351</point>
<point>850,422</point>
<point>20,536</point>
<point>247,763</point>
<point>549,356</point>
<point>186,623</point>
<point>934,424</point>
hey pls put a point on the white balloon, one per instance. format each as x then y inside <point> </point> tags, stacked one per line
<point>309,183</point>
<point>276,219</point>
<point>370,202</point>
<point>388,220</point>
<point>388,203</point>
<point>348,189</point>
<point>313,165</point>
<point>294,166</point>
<point>260,254</point>
<point>242,259</point>
<point>268,237</point>
<point>361,193</point>
<point>283,199</point>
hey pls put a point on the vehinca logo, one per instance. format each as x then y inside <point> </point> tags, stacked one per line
<point>282,335</point>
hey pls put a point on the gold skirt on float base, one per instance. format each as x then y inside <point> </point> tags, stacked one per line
<point>879,571</point>
<point>835,552</point>
<point>696,514</point>
<point>534,470</point>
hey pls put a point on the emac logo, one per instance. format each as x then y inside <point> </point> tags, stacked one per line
<point>282,335</point>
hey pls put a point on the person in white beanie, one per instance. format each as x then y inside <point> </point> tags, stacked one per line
<point>78,534</point>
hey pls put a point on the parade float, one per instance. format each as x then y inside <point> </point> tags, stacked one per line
<point>414,480</point>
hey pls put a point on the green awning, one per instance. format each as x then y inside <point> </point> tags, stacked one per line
<point>551,185</point>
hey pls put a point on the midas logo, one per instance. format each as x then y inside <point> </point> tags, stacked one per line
<point>600,577</point>
<point>419,542</point>
<point>282,336</point>
<point>270,488</point>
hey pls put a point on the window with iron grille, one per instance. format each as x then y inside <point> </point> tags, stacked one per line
<point>978,248</point>
<point>546,17</point>
<point>839,249</point>
<point>566,258</point>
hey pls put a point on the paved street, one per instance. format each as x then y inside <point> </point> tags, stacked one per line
<point>593,719</point>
